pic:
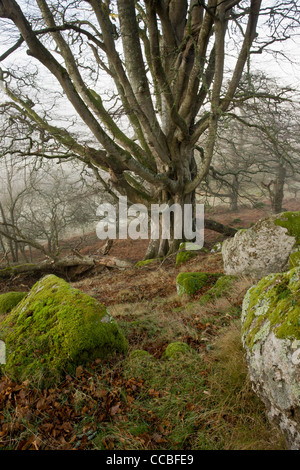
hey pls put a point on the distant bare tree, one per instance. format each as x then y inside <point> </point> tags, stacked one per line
<point>257,150</point>
<point>39,207</point>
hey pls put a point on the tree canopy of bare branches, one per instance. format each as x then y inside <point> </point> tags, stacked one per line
<point>166,61</point>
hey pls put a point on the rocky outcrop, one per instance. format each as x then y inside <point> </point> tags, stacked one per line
<point>270,246</point>
<point>190,283</point>
<point>54,329</point>
<point>271,337</point>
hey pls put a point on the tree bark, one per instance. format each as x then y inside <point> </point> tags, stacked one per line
<point>278,193</point>
<point>71,266</point>
<point>220,228</point>
<point>164,247</point>
<point>161,248</point>
<point>234,194</point>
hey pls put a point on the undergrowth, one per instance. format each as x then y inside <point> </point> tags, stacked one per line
<point>199,397</point>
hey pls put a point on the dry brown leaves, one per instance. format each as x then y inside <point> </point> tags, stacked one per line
<point>50,419</point>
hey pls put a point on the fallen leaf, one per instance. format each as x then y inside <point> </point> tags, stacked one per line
<point>114,409</point>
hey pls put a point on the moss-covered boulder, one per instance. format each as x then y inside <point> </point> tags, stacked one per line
<point>176,349</point>
<point>221,288</point>
<point>140,354</point>
<point>190,283</point>
<point>267,247</point>
<point>187,251</point>
<point>184,256</point>
<point>9,300</point>
<point>271,337</point>
<point>139,363</point>
<point>54,329</point>
<point>291,222</point>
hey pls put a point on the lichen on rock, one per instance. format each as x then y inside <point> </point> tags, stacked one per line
<point>271,337</point>
<point>274,300</point>
<point>56,328</point>
<point>264,248</point>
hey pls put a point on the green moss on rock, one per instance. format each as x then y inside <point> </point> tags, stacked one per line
<point>222,287</point>
<point>184,256</point>
<point>176,349</point>
<point>140,354</point>
<point>9,300</point>
<point>145,262</point>
<point>294,259</point>
<point>290,221</point>
<point>189,283</point>
<point>56,328</point>
<point>273,304</point>
<point>187,251</point>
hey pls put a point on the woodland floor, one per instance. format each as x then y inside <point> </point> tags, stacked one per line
<point>201,401</point>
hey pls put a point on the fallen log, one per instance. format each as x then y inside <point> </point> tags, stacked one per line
<point>69,265</point>
<point>220,228</point>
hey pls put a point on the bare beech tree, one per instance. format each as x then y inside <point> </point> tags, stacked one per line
<point>166,59</point>
<point>279,141</point>
<point>235,168</point>
<point>55,207</point>
<point>257,148</point>
<point>12,191</point>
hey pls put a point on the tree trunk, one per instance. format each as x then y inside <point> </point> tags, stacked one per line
<point>71,266</point>
<point>234,202</point>
<point>161,248</point>
<point>234,194</point>
<point>220,228</point>
<point>165,246</point>
<point>278,193</point>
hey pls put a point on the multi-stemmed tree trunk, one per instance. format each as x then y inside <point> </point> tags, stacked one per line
<point>166,59</point>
